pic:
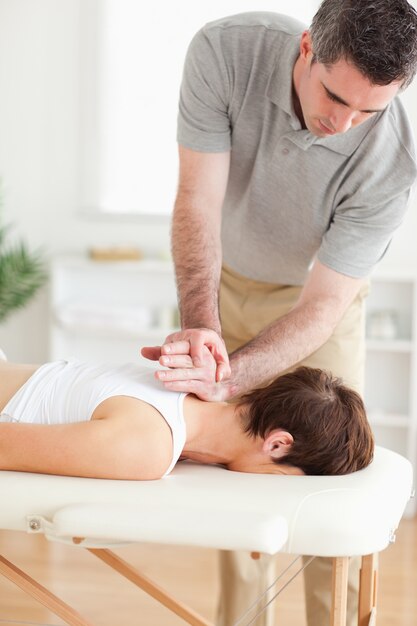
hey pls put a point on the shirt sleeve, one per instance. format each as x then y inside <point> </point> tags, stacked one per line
<point>365,219</point>
<point>203,121</point>
<point>359,237</point>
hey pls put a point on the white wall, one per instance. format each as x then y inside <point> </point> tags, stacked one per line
<point>39,144</point>
<point>39,121</point>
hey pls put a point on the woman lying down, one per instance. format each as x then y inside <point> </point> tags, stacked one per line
<point>100,421</point>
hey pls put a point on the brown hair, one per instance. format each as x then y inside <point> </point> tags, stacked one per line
<point>379,38</point>
<point>326,419</point>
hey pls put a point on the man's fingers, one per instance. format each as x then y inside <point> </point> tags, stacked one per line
<point>201,390</point>
<point>176,360</point>
<point>206,349</point>
<point>223,364</point>
<point>197,343</point>
<point>193,345</point>
<point>151,352</point>
<point>223,372</point>
<point>179,374</point>
<point>176,347</point>
<point>193,340</point>
<point>183,386</point>
<point>211,341</point>
<point>220,353</point>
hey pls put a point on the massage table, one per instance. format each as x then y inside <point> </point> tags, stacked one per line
<point>208,506</point>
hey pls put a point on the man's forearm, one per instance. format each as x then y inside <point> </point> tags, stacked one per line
<point>324,298</point>
<point>197,257</point>
<point>280,346</point>
<point>277,348</point>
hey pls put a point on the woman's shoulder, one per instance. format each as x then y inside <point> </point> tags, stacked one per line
<point>12,377</point>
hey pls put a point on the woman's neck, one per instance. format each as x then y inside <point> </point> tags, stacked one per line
<point>214,431</point>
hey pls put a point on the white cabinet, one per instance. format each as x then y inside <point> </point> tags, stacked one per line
<point>107,310</point>
<point>391,362</point>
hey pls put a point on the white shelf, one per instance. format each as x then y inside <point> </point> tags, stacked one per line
<point>391,364</point>
<point>390,420</point>
<point>389,345</point>
<point>145,266</point>
<point>106,310</point>
<point>399,274</point>
<point>115,332</point>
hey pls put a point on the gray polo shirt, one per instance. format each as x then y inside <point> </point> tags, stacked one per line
<point>291,196</point>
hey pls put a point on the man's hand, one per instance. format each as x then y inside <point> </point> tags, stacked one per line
<point>198,363</point>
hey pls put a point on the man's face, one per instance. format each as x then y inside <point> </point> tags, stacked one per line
<point>333,99</point>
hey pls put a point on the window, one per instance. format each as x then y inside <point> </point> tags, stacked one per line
<point>132,57</point>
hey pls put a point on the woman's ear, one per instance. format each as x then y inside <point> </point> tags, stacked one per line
<point>278,443</point>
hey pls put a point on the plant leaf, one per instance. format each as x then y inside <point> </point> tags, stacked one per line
<point>22,273</point>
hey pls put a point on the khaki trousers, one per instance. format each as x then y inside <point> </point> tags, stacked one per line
<point>246,307</point>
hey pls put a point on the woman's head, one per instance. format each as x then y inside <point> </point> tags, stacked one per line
<point>327,421</point>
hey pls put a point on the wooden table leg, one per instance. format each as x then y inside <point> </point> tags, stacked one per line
<point>367,590</point>
<point>41,594</point>
<point>339,591</point>
<point>151,588</point>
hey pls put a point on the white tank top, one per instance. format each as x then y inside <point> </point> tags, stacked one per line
<point>62,392</point>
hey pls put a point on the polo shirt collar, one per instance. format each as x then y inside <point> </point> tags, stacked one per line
<point>279,91</point>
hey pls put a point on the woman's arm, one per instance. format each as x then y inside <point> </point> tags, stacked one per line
<point>120,443</point>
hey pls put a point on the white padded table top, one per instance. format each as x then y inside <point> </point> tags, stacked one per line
<point>211,507</point>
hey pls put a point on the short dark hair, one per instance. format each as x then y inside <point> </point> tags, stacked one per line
<point>326,418</point>
<point>378,36</point>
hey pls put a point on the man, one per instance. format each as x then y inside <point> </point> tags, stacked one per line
<point>296,163</point>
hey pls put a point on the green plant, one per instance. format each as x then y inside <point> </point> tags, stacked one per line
<point>22,273</point>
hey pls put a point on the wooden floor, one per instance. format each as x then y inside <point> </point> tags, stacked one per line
<point>108,600</point>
